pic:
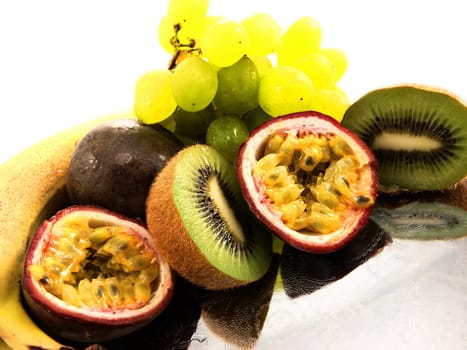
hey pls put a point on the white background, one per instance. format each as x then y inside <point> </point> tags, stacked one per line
<point>63,61</point>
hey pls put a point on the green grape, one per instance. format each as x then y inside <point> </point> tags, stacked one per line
<point>332,102</point>
<point>264,34</point>
<point>207,22</point>
<point>168,123</point>
<point>237,91</point>
<point>183,36</point>
<point>339,58</point>
<point>302,37</point>
<point>192,31</point>
<point>284,90</point>
<point>193,124</point>
<point>165,34</point>
<point>226,134</point>
<point>186,140</point>
<point>320,69</point>
<point>262,64</point>
<point>224,43</point>
<point>154,100</point>
<point>185,10</point>
<point>255,117</point>
<point>194,84</point>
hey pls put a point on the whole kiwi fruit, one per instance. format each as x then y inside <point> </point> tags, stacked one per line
<point>114,164</point>
<point>418,135</point>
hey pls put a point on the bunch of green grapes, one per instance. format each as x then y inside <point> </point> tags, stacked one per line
<point>226,77</point>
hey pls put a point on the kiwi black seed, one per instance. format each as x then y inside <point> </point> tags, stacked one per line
<point>201,225</point>
<point>422,221</point>
<point>418,135</point>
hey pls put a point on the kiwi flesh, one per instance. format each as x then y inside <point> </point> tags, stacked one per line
<point>422,221</point>
<point>418,135</point>
<point>202,226</point>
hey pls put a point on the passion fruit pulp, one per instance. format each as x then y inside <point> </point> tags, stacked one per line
<point>309,180</point>
<point>91,275</point>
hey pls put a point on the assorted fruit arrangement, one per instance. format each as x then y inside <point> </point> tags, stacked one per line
<point>242,156</point>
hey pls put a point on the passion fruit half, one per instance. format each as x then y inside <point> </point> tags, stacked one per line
<point>309,180</point>
<point>91,275</point>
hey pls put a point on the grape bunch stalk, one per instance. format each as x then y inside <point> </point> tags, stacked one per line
<point>225,77</point>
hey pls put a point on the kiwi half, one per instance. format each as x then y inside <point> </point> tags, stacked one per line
<point>418,135</point>
<point>202,226</point>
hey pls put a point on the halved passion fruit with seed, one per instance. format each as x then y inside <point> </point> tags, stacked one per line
<point>91,275</point>
<point>309,180</point>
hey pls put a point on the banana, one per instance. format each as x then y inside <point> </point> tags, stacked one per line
<point>29,183</point>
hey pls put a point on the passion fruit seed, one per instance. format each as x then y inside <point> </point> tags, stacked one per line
<point>107,267</point>
<point>311,179</point>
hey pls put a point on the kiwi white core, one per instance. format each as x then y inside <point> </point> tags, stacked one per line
<point>398,141</point>
<point>225,210</point>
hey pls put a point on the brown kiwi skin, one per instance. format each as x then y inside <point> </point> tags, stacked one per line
<point>428,87</point>
<point>174,242</point>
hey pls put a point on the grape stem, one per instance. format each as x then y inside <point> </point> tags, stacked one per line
<point>179,54</point>
<point>174,59</point>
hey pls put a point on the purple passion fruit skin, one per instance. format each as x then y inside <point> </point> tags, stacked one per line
<point>114,164</point>
<point>110,306</point>
<point>309,180</point>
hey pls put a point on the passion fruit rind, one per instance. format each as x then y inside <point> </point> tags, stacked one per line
<point>292,180</point>
<point>122,301</point>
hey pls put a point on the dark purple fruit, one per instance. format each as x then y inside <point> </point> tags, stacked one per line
<point>115,163</point>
